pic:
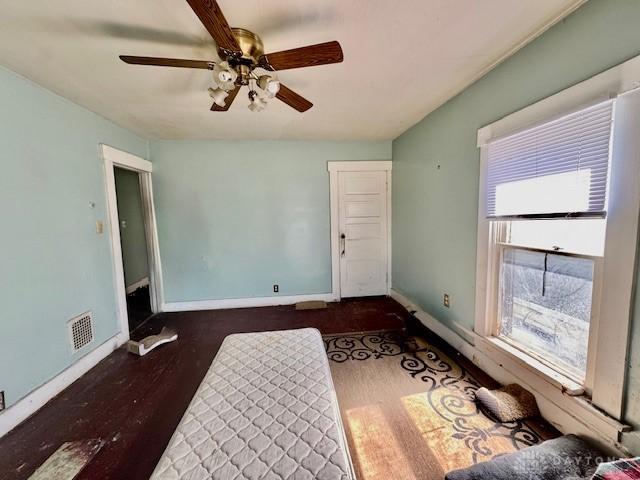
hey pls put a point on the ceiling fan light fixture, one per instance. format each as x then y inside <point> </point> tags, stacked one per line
<point>224,76</point>
<point>218,95</point>
<point>270,85</point>
<point>226,86</point>
<point>254,107</point>
<point>257,103</point>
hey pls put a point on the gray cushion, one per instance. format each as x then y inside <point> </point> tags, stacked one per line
<point>562,458</point>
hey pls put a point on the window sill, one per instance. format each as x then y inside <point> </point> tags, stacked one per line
<point>536,367</point>
<point>540,379</point>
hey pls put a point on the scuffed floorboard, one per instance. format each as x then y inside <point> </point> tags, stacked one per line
<point>68,461</point>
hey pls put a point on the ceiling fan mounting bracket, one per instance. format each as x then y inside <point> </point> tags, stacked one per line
<point>244,74</point>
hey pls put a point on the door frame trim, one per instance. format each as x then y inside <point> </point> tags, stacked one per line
<point>117,158</point>
<point>334,169</point>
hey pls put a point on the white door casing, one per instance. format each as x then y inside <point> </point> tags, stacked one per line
<point>113,157</point>
<point>360,228</point>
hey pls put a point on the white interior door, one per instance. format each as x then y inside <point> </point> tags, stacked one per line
<point>362,198</point>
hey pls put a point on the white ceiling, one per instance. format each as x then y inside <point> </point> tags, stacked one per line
<point>402,59</point>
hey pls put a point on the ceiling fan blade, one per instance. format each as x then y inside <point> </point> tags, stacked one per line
<point>167,62</point>
<point>213,19</point>
<point>310,56</point>
<point>292,99</point>
<point>228,101</point>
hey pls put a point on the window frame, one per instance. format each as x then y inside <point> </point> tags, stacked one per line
<point>616,273</point>
<point>498,248</point>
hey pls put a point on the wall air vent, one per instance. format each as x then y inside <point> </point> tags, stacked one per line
<point>80,331</point>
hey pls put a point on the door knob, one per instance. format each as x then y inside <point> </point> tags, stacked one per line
<point>344,244</point>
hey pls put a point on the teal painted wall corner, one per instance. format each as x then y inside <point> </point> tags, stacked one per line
<point>54,264</point>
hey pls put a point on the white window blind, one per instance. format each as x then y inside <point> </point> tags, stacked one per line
<point>556,169</point>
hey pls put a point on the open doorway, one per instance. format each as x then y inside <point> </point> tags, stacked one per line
<point>134,246</point>
<point>134,238</point>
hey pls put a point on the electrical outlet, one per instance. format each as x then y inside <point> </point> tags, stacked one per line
<point>276,288</point>
<point>2,404</point>
<point>446,301</point>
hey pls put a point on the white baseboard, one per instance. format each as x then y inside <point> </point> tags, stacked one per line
<point>244,302</point>
<point>28,405</point>
<point>136,285</point>
<point>569,414</point>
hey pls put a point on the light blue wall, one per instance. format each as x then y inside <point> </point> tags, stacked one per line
<point>132,236</point>
<point>53,265</point>
<point>435,209</point>
<point>235,218</point>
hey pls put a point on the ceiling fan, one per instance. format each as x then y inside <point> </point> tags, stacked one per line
<point>242,60</point>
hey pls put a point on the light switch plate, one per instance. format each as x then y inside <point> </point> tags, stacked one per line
<point>99,227</point>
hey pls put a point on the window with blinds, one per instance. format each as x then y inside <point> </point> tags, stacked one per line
<point>556,169</point>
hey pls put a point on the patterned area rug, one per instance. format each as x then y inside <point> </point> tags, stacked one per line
<point>409,412</point>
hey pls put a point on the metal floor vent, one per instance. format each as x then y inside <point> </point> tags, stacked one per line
<point>80,331</point>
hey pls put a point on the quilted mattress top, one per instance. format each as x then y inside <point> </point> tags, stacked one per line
<point>266,409</point>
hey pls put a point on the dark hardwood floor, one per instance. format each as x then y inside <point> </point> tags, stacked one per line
<point>135,403</point>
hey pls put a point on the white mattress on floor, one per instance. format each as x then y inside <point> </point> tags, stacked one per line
<point>266,409</point>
